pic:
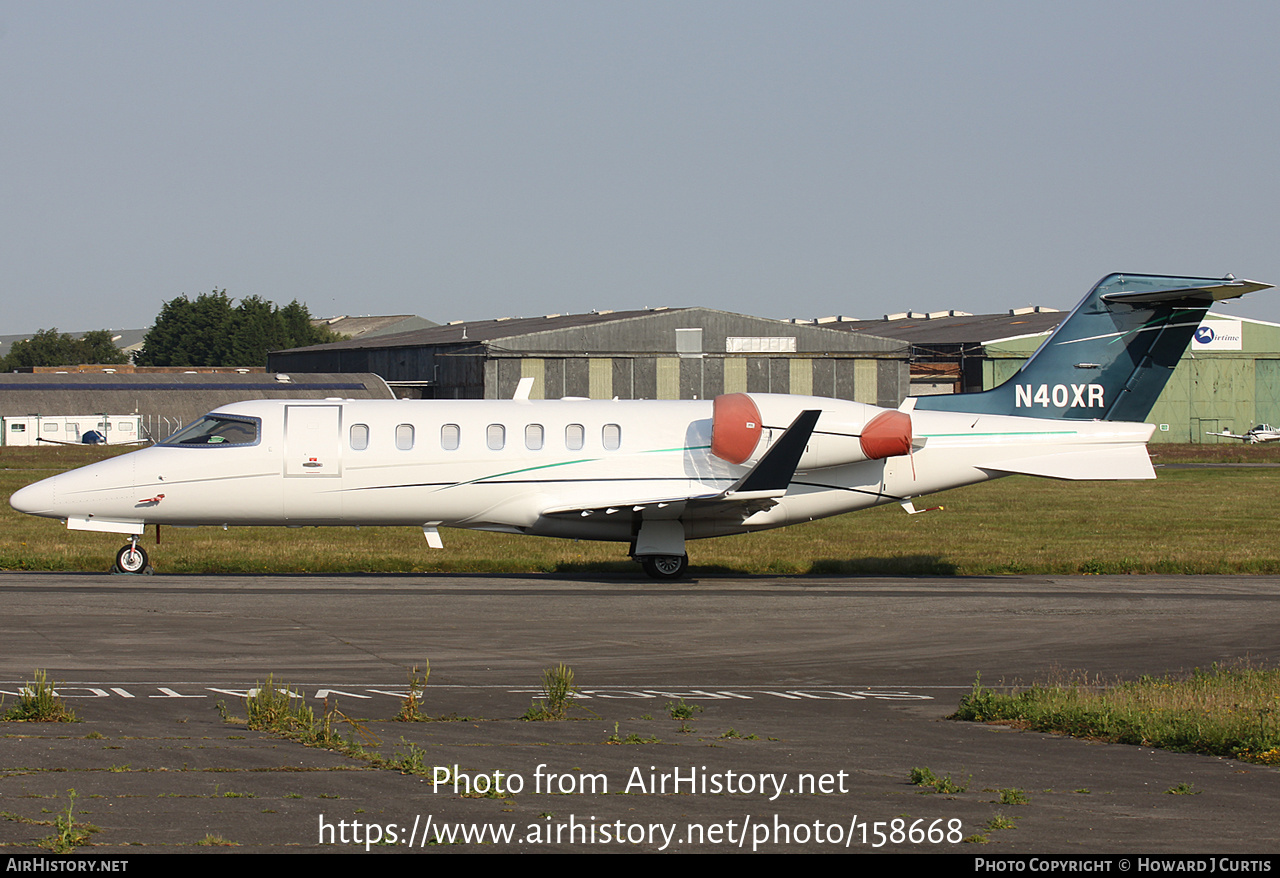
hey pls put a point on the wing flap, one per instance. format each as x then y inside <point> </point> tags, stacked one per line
<point>757,490</point>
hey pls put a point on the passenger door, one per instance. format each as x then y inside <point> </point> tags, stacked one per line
<point>313,440</point>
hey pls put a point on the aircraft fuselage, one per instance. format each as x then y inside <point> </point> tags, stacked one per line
<point>569,468</point>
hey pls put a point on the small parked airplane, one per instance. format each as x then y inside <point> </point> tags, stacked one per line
<point>1260,433</point>
<point>653,474</point>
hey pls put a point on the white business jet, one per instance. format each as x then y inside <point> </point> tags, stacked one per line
<point>653,474</point>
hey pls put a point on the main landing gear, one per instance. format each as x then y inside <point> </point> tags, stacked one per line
<point>664,566</point>
<point>132,558</point>
<point>659,547</point>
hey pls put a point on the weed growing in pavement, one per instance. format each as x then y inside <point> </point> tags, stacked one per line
<point>410,711</point>
<point>38,703</point>
<point>924,777</point>
<point>211,840</point>
<point>681,710</point>
<point>68,834</point>
<point>999,821</point>
<point>273,709</point>
<point>632,738</point>
<point>558,692</point>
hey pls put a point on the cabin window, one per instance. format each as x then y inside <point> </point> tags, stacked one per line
<point>533,435</point>
<point>450,437</point>
<point>50,428</point>
<point>18,428</point>
<point>359,437</point>
<point>496,437</point>
<point>217,429</point>
<point>574,437</point>
<point>611,437</point>
<point>404,437</point>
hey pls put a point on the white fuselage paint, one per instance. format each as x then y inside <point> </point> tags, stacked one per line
<point>517,466</point>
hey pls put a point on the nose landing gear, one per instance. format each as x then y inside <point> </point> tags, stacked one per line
<point>132,559</point>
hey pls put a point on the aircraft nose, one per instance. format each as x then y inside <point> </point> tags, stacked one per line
<point>34,499</point>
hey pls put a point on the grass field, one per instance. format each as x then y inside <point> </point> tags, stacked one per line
<point>1222,711</point>
<point>1214,520</point>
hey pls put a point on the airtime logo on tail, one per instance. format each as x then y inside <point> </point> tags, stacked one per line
<point>1112,356</point>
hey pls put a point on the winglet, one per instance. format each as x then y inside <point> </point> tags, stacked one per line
<point>773,473</point>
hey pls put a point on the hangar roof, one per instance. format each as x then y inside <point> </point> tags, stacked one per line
<point>483,330</point>
<point>351,327</point>
<point>967,329</point>
<point>617,331</point>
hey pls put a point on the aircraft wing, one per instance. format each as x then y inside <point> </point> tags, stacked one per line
<point>1228,434</point>
<point>756,491</point>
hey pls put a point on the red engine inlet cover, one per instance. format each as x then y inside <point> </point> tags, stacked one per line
<point>886,435</point>
<point>735,427</point>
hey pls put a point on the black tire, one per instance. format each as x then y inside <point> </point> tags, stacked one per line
<point>665,566</point>
<point>131,559</point>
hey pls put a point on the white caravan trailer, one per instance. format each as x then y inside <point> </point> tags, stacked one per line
<point>70,429</point>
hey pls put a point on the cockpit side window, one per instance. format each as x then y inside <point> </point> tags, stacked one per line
<point>217,430</point>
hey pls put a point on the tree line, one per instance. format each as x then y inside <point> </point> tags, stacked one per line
<point>207,331</point>
<point>48,347</point>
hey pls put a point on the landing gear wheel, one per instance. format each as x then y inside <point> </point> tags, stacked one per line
<point>665,566</point>
<point>131,559</point>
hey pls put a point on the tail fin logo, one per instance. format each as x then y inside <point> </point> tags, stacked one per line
<point>1059,396</point>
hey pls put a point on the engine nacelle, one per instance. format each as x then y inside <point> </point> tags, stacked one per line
<point>744,425</point>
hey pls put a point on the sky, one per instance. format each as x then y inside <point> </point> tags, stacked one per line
<point>480,159</point>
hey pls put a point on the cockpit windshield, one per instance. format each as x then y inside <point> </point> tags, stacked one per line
<point>217,430</point>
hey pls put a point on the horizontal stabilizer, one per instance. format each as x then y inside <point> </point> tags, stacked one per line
<point>1209,292</point>
<point>1126,462</point>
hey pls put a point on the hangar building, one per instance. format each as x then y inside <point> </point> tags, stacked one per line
<point>947,348</point>
<point>657,353</point>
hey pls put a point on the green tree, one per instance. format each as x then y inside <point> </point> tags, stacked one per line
<point>211,332</point>
<point>99,347</point>
<point>258,329</point>
<point>188,333</point>
<point>48,347</point>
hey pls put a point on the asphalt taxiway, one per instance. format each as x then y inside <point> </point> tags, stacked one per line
<point>815,699</point>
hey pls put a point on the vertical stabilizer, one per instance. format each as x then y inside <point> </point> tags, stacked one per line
<point>1112,356</point>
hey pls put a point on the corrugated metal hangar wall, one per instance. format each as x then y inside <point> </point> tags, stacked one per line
<point>677,353</point>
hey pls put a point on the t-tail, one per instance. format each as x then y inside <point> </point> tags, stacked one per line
<point>1112,356</point>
